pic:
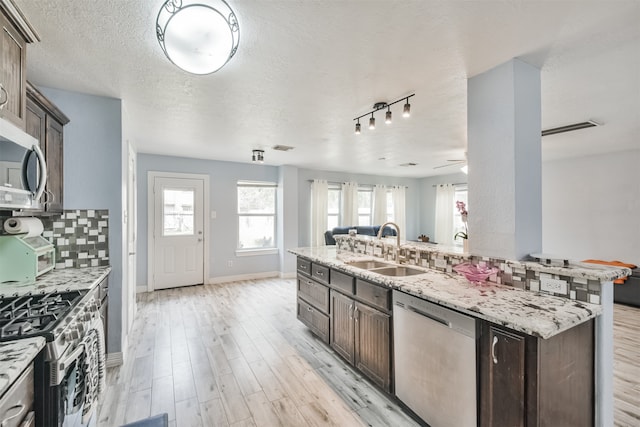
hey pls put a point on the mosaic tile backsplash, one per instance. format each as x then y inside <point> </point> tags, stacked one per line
<point>80,237</point>
<point>512,273</point>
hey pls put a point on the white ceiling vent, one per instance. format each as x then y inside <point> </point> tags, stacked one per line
<point>569,128</point>
<point>282,147</point>
<point>408,164</point>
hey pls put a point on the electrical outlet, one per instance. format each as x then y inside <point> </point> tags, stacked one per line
<point>229,263</point>
<point>556,286</point>
<point>440,263</point>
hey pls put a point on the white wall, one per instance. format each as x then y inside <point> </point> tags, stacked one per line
<point>591,207</point>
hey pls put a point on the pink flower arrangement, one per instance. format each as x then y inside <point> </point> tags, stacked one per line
<point>462,208</point>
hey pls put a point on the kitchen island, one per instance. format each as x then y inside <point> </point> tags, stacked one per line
<point>539,354</point>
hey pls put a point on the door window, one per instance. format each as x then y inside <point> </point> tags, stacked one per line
<point>177,213</point>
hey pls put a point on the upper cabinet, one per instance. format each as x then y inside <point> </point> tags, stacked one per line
<point>16,33</point>
<point>44,121</point>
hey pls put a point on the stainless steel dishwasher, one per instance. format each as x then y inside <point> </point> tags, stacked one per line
<point>435,361</point>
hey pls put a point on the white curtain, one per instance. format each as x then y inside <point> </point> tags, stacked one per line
<point>349,209</point>
<point>379,205</point>
<point>399,209</point>
<point>445,194</point>
<point>319,211</point>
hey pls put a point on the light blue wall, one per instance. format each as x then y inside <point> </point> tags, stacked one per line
<point>93,177</point>
<point>223,177</point>
<point>288,216</point>
<point>304,198</point>
<point>428,200</point>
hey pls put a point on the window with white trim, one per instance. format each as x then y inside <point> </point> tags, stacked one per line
<point>333,206</point>
<point>365,205</point>
<point>256,215</point>
<point>459,225</point>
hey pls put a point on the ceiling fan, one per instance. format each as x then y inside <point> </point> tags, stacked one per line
<point>452,163</point>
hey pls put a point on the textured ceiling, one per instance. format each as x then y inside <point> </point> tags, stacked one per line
<point>305,69</point>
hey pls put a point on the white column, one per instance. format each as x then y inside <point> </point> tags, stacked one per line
<point>604,358</point>
<point>504,155</point>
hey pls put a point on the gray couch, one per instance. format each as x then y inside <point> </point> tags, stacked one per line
<point>366,230</point>
<point>629,291</point>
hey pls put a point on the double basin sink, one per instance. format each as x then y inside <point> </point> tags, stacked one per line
<point>386,269</point>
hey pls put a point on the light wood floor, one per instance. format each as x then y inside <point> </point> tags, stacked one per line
<point>234,355</point>
<point>626,365</point>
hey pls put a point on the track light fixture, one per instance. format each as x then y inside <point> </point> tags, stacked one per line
<point>380,106</point>
<point>258,156</point>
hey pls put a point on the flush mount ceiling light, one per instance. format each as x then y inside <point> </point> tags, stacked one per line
<point>258,156</point>
<point>198,36</point>
<point>380,106</point>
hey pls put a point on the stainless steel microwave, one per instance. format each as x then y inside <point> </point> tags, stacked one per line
<point>23,170</point>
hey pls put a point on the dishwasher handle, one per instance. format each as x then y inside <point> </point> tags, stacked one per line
<point>430,316</point>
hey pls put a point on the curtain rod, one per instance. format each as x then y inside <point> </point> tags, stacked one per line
<point>364,185</point>
<point>457,183</point>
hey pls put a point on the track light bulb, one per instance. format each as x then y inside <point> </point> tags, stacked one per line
<point>372,122</point>
<point>387,119</point>
<point>358,128</point>
<point>407,109</point>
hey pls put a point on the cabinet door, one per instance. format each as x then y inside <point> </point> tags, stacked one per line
<point>502,378</point>
<point>54,154</point>
<point>342,325</point>
<point>373,349</point>
<point>12,74</point>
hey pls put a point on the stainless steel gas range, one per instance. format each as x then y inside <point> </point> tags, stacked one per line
<point>70,372</point>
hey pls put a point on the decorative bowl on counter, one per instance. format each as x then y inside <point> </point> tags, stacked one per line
<point>474,273</point>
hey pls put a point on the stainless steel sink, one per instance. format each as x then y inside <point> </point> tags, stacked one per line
<point>368,265</point>
<point>397,271</point>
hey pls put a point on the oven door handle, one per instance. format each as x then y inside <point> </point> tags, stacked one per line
<point>75,354</point>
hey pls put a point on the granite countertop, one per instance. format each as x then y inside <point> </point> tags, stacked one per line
<point>66,279</point>
<point>15,356</point>
<point>601,273</point>
<point>533,313</point>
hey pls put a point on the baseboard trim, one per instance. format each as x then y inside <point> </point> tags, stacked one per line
<point>239,277</point>
<point>141,289</point>
<point>291,275</point>
<point>114,359</point>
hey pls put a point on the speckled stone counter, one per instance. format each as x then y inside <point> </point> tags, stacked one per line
<point>533,313</point>
<point>67,279</point>
<point>15,356</point>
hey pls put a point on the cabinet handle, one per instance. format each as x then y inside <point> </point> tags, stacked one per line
<point>309,309</point>
<point>19,408</point>
<point>6,97</point>
<point>493,350</point>
<point>351,311</point>
<point>320,273</point>
<point>355,314</point>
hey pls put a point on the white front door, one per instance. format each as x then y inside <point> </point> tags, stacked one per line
<point>178,232</point>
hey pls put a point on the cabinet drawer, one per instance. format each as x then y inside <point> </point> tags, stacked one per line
<point>315,320</point>
<point>342,282</point>
<point>18,400</point>
<point>373,294</point>
<point>304,266</point>
<point>320,273</point>
<point>314,293</point>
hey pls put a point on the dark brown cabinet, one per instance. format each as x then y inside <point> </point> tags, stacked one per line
<point>44,121</point>
<point>12,73</point>
<point>373,344</point>
<point>313,302</point>
<point>361,334</point>
<point>527,381</point>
